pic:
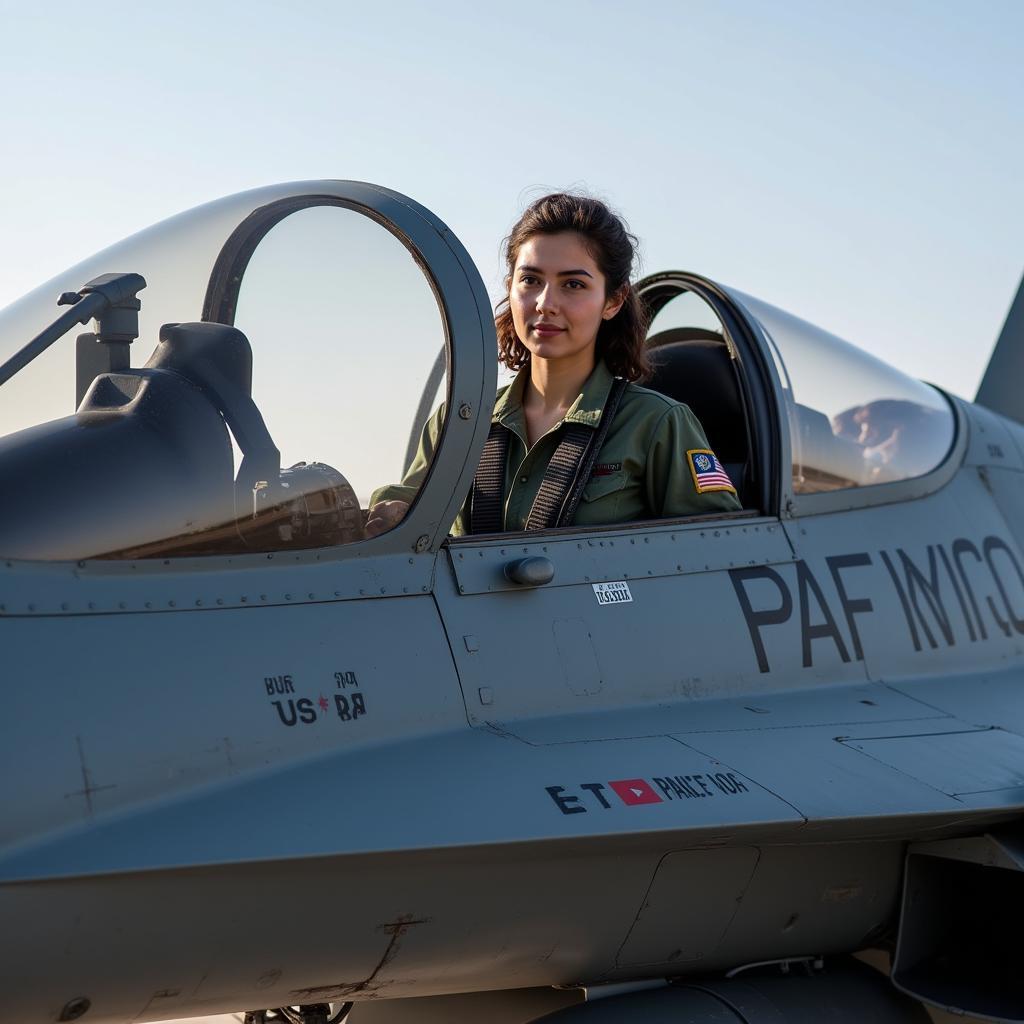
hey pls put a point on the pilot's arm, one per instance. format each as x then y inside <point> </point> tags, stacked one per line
<point>389,504</point>
<point>683,478</point>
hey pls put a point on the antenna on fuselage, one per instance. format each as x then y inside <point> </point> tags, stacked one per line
<point>1002,387</point>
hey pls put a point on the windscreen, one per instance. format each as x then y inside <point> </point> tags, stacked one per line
<point>269,433</point>
<point>348,330</point>
<point>853,420</point>
<point>175,257</point>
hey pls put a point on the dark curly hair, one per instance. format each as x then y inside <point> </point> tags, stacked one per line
<point>620,340</point>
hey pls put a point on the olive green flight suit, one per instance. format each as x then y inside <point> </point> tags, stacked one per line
<point>643,470</point>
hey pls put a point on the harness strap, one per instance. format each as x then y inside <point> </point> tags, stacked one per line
<point>560,477</point>
<point>486,509</point>
<point>589,459</point>
<point>561,489</point>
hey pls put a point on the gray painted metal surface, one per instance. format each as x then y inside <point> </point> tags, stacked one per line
<point>385,769</point>
<point>999,389</point>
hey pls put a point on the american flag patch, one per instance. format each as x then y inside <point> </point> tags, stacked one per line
<point>707,471</point>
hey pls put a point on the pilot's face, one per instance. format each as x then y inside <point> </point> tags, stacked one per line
<point>557,297</point>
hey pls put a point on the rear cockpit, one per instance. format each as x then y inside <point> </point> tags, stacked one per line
<point>853,420</point>
<point>744,367</point>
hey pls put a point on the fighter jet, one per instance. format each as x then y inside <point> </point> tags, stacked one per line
<point>674,770</point>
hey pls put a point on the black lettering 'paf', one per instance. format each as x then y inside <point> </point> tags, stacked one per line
<point>757,620</point>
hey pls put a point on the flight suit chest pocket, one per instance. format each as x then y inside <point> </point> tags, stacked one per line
<point>606,486</point>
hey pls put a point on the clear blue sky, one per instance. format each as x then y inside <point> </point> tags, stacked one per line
<point>860,165</point>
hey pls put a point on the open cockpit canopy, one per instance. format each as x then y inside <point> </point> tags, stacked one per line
<point>199,439</point>
<point>852,420</point>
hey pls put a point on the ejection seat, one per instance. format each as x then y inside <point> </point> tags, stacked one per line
<point>692,365</point>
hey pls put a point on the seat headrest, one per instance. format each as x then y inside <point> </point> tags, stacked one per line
<point>699,373</point>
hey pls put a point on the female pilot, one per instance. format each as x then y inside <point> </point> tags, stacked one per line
<point>574,328</point>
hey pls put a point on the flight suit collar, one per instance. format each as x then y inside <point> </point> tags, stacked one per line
<point>587,409</point>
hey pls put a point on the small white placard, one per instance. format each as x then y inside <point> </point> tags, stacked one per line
<point>613,593</point>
